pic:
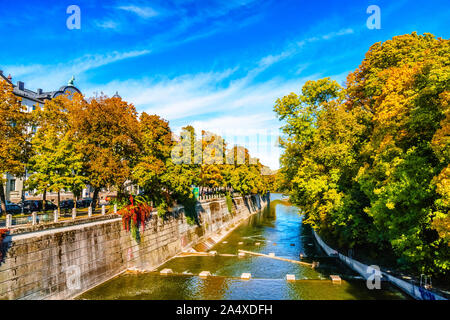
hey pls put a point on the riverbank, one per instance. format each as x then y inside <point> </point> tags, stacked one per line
<point>275,231</point>
<point>367,272</point>
<point>64,262</point>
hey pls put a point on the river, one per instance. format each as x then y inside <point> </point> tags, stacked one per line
<point>278,229</point>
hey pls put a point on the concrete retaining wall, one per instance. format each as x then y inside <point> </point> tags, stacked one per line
<point>63,262</point>
<point>412,290</point>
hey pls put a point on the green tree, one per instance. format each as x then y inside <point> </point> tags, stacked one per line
<point>368,163</point>
<point>154,159</point>
<point>243,173</point>
<point>14,133</point>
<point>55,163</point>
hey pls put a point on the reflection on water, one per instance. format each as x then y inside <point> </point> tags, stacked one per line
<point>179,287</point>
<point>278,229</point>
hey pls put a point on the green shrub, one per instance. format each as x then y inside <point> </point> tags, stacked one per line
<point>229,203</point>
<point>162,209</point>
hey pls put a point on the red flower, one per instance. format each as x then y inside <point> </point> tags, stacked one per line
<point>3,233</point>
<point>138,214</point>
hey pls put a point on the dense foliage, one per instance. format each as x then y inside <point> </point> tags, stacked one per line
<point>55,163</point>
<point>71,142</point>
<point>14,146</point>
<point>368,163</point>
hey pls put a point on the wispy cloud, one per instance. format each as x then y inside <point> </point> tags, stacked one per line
<point>142,12</point>
<point>341,32</point>
<point>235,107</point>
<point>257,132</point>
<point>107,24</point>
<point>54,75</point>
<point>232,102</point>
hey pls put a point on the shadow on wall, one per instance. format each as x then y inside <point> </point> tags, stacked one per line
<point>5,244</point>
<point>253,205</point>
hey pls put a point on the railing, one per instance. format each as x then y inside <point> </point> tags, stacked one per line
<point>407,287</point>
<point>36,218</point>
<point>39,218</point>
<point>216,196</point>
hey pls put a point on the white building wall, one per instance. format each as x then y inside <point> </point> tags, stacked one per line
<point>16,194</point>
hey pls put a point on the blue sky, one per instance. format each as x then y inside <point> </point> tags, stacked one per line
<point>217,65</point>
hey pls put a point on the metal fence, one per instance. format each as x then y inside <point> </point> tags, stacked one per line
<point>202,197</point>
<point>35,218</point>
<point>410,288</point>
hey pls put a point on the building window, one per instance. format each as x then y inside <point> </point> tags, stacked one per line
<point>12,185</point>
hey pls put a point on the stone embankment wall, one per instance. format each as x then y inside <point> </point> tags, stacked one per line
<point>60,263</point>
<point>409,288</point>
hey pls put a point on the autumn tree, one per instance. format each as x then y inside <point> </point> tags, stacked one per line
<point>108,135</point>
<point>404,83</point>
<point>242,172</point>
<point>368,163</point>
<point>213,159</point>
<point>14,133</point>
<point>184,168</point>
<point>154,159</point>
<point>55,164</point>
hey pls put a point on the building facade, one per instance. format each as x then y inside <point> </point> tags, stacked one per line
<point>14,187</point>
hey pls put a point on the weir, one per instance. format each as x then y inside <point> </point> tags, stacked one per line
<point>253,276</point>
<point>311,265</point>
<point>207,275</point>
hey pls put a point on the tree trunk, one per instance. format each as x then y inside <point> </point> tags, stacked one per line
<point>75,198</point>
<point>2,200</point>
<point>58,203</point>
<point>44,200</point>
<point>94,199</point>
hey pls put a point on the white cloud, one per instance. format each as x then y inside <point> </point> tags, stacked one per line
<point>143,12</point>
<point>240,110</point>
<point>258,132</point>
<point>230,102</point>
<point>107,24</point>
<point>54,76</point>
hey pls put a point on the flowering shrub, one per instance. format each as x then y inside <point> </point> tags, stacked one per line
<point>135,215</point>
<point>3,233</point>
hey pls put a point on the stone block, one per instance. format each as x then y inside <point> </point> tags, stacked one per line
<point>205,274</point>
<point>166,271</point>
<point>335,279</point>
<point>246,276</point>
<point>290,277</point>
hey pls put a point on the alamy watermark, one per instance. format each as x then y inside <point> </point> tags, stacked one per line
<point>374,21</point>
<point>74,20</point>
<point>374,279</point>
<point>238,149</point>
<point>73,277</point>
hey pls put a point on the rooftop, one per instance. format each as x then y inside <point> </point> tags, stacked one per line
<point>39,95</point>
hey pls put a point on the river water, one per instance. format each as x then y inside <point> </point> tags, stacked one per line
<point>278,229</point>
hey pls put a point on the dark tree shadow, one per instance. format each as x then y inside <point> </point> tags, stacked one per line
<point>5,245</point>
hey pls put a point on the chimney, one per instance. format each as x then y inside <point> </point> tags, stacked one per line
<point>20,85</point>
<point>39,91</point>
<point>9,78</point>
